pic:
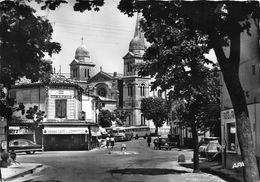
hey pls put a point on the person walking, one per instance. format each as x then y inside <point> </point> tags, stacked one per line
<point>107,141</point>
<point>112,141</point>
<point>149,139</point>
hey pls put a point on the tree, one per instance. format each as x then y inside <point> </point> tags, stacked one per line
<point>120,116</point>
<point>25,38</point>
<point>105,118</point>
<point>179,52</point>
<point>223,23</point>
<point>36,116</point>
<point>157,109</point>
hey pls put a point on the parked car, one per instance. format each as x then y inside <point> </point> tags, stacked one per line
<point>164,143</point>
<point>209,147</point>
<point>24,145</point>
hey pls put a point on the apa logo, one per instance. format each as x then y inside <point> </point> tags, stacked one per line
<point>238,164</point>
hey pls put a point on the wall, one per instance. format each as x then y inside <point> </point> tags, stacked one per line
<point>249,77</point>
<point>72,103</point>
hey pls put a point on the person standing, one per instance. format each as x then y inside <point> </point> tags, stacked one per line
<point>112,141</point>
<point>107,141</point>
<point>149,139</point>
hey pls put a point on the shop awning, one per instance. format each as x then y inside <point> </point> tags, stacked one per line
<point>19,130</point>
<point>65,130</point>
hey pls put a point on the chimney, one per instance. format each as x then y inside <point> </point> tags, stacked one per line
<point>115,74</point>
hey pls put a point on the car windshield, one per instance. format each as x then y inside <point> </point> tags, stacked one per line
<point>212,146</point>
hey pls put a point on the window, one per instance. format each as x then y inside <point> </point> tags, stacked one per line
<point>129,120</point>
<point>75,72</point>
<point>253,69</point>
<point>102,92</point>
<point>142,119</point>
<point>142,90</point>
<point>231,140</point>
<point>61,108</point>
<point>130,90</point>
<point>129,67</point>
<point>159,93</point>
<point>85,73</point>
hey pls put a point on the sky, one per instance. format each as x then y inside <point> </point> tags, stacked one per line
<point>106,34</point>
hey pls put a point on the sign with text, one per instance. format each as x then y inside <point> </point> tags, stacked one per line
<point>61,96</point>
<point>65,131</point>
<point>228,115</point>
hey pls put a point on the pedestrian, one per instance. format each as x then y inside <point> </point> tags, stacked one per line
<point>112,141</point>
<point>149,139</point>
<point>107,141</point>
<point>99,142</point>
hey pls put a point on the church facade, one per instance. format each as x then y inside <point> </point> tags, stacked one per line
<point>116,91</point>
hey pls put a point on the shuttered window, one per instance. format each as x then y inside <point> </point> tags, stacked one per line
<point>61,108</point>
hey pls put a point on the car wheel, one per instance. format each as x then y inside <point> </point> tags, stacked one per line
<point>136,137</point>
<point>28,152</point>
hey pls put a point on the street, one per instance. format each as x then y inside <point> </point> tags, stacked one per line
<point>139,163</point>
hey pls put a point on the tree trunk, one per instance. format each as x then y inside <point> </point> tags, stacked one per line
<point>243,126</point>
<point>196,167</point>
<point>156,130</point>
<point>230,70</point>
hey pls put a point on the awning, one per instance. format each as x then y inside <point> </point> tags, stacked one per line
<point>19,130</point>
<point>65,130</point>
<point>95,131</point>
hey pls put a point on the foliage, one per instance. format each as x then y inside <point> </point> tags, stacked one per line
<point>155,108</point>
<point>25,39</point>
<point>121,116</point>
<point>80,5</point>
<point>35,115</point>
<point>105,118</point>
<point>222,22</point>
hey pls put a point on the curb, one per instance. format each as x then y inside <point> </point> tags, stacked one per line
<point>29,171</point>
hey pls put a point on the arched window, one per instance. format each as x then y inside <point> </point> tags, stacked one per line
<point>159,93</point>
<point>142,89</point>
<point>102,92</point>
<point>130,90</point>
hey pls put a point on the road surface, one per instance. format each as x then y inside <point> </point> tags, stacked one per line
<point>139,163</point>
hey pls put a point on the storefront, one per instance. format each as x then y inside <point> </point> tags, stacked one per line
<point>66,137</point>
<point>20,132</point>
<point>229,138</point>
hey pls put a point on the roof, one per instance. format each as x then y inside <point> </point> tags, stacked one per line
<point>104,99</point>
<point>56,80</point>
<point>68,123</point>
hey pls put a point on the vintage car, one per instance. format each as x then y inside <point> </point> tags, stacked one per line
<point>164,143</point>
<point>209,147</point>
<point>24,145</point>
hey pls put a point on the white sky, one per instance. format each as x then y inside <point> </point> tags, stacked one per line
<point>107,34</point>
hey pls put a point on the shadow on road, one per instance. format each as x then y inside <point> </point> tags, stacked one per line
<point>147,171</point>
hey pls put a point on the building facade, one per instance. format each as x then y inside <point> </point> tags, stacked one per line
<point>249,73</point>
<point>65,125</point>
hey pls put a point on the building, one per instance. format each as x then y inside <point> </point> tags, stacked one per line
<point>250,79</point>
<point>65,126</point>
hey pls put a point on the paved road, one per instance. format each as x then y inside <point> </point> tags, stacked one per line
<point>138,164</point>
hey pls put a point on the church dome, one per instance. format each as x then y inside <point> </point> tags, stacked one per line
<point>81,52</point>
<point>137,43</point>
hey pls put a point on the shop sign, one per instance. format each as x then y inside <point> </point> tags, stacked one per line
<point>64,131</point>
<point>61,96</point>
<point>19,131</point>
<point>228,115</point>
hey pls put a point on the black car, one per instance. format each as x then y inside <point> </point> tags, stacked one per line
<point>164,143</point>
<point>23,145</point>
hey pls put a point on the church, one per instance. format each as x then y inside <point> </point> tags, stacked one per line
<point>117,91</point>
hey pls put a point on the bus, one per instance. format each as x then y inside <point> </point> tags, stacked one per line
<point>122,133</point>
<point>140,131</point>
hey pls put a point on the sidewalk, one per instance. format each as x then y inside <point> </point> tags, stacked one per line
<point>18,170</point>
<point>216,169</point>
